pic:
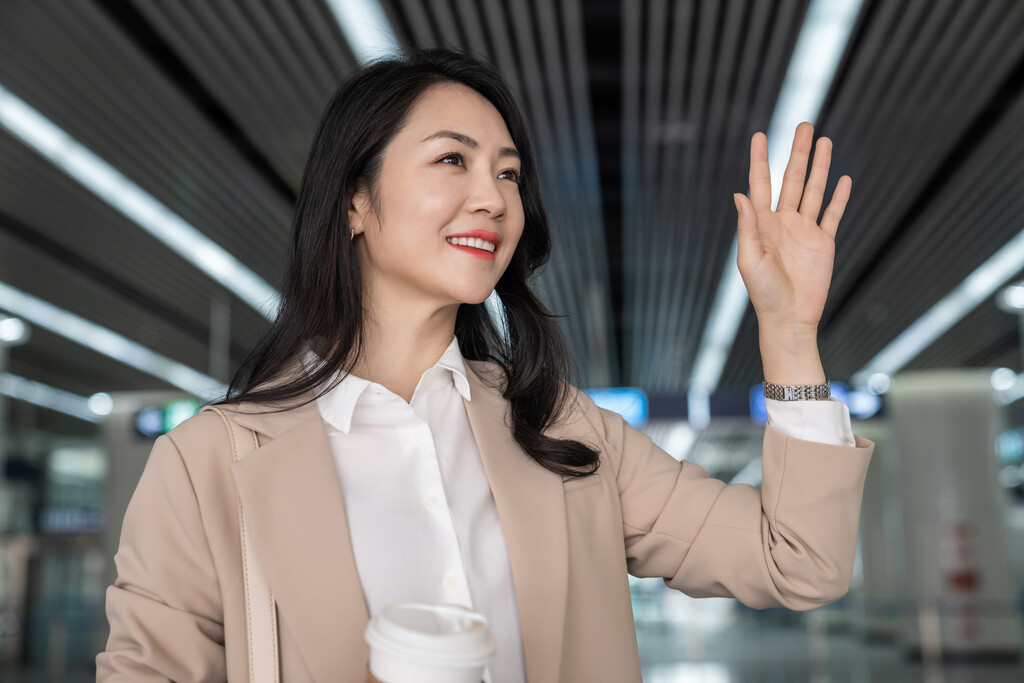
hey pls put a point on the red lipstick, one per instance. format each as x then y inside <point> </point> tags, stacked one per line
<point>485,235</point>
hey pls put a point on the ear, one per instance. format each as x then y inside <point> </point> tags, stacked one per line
<point>359,209</point>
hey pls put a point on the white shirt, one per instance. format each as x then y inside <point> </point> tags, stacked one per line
<point>422,519</point>
<point>421,515</point>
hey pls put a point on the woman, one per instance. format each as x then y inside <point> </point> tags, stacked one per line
<point>402,447</point>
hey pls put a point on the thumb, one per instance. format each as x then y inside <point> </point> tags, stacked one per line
<point>748,240</point>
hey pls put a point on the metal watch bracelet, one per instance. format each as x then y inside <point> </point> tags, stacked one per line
<point>806,392</point>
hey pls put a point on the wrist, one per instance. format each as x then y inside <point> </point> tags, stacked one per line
<point>789,355</point>
<point>795,333</point>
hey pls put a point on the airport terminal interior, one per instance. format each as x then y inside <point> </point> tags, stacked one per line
<point>151,156</point>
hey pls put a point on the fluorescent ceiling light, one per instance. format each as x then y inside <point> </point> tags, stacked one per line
<point>680,440</point>
<point>102,340</point>
<point>698,408</point>
<point>1003,379</point>
<point>819,47</point>
<point>496,309</point>
<point>1015,393</point>
<point>726,313</point>
<point>366,28</point>
<point>950,310</point>
<point>811,70</point>
<point>118,191</point>
<point>13,331</point>
<point>101,404</point>
<point>46,396</point>
<point>750,474</point>
<point>1012,299</point>
<point>878,383</point>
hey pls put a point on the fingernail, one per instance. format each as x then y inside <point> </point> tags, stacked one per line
<point>739,206</point>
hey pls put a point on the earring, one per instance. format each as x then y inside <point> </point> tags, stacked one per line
<point>351,233</point>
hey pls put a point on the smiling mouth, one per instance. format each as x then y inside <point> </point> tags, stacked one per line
<point>473,242</point>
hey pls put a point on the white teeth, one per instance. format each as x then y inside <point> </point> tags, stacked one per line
<point>474,242</point>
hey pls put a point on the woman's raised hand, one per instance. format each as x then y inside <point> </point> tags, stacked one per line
<point>784,256</point>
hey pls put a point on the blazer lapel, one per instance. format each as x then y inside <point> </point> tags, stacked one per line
<point>294,510</point>
<point>531,506</point>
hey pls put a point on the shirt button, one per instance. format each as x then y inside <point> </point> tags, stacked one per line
<point>430,503</point>
<point>450,582</point>
<point>417,436</point>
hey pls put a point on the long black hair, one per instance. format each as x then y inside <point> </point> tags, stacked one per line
<point>322,297</point>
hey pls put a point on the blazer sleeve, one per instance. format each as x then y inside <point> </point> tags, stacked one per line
<point>164,608</point>
<point>790,543</point>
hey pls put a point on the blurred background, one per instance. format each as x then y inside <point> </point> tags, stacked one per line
<point>150,156</point>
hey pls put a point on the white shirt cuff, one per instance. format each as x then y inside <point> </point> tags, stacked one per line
<point>821,421</point>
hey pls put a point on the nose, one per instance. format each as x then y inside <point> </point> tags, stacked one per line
<point>486,195</point>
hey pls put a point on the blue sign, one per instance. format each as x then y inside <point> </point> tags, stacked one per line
<point>758,407</point>
<point>149,422</point>
<point>628,402</point>
<point>152,421</point>
<point>864,404</point>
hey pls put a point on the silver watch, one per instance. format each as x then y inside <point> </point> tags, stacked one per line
<point>806,392</point>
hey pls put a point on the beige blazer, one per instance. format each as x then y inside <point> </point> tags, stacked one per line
<point>177,608</point>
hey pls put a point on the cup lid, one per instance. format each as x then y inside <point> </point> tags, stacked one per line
<point>449,634</point>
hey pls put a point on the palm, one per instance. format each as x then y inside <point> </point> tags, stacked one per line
<point>784,256</point>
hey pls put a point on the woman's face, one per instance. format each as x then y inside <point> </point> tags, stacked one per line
<point>451,171</point>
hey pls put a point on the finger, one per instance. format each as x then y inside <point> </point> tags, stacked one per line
<point>796,169</point>
<point>836,207</point>
<point>748,238</point>
<point>814,192</point>
<point>760,175</point>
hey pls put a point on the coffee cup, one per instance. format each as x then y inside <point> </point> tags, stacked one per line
<point>421,643</point>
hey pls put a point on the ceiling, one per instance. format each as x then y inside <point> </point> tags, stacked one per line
<point>641,112</point>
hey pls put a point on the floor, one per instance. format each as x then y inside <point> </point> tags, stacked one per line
<point>683,640</point>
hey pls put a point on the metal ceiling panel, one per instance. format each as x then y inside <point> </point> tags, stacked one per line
<point>641,111</point>
<point>35,272</point>
<point>45,211</point>
<point>539,49</point>
<point>926,115</point>
<point>686,132</point>
<point>271,65</point>
<point>61,363</point>
<point>73,65</point>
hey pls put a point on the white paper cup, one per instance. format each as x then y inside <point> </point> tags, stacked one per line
<point>419,643</point>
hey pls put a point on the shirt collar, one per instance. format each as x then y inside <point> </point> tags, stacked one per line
<point>338,405</point>
<point>452,360</point>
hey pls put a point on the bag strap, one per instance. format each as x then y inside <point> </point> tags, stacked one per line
<point>260,608</point>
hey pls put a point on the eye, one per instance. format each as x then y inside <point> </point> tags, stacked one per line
<point>510,174</point>
<point>453,158</point>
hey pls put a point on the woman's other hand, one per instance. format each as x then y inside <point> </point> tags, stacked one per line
<point>784,256</point>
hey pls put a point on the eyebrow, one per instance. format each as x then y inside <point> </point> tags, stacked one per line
<point>470,142</point>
